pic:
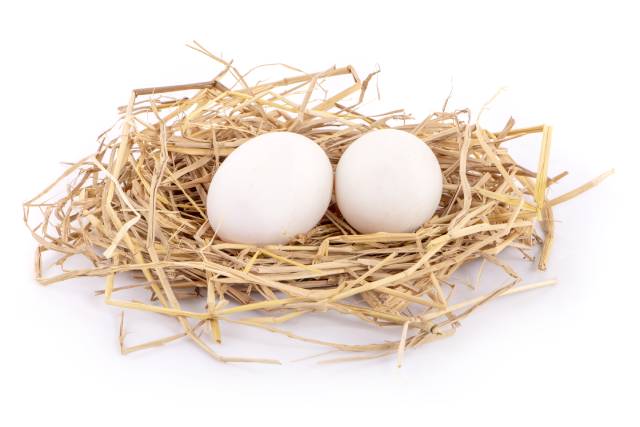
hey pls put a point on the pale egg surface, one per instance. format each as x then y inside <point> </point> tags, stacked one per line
<point>388,180</point>
<point>270,189</point>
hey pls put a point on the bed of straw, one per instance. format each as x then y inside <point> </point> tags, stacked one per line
<point>136,208</point>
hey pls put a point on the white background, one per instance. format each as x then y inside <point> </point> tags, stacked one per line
<point>562,354</point>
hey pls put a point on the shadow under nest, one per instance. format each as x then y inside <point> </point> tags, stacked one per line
<point>137,206</point>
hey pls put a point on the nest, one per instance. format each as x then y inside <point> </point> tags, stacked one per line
<point>136,208</point>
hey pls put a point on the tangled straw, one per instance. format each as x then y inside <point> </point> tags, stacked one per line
<point>137,208</point>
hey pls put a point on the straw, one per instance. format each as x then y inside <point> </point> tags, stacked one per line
<point>136,208</point>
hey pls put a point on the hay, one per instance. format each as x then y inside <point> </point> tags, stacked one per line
<point>137,207</point>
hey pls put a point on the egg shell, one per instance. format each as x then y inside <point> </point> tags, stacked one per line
<point>388,180</point>
<point>270,189</point>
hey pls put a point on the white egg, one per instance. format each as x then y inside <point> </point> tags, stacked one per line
<point>388,180</point>
<point>269,189</point>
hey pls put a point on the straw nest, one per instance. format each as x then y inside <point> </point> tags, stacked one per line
<point>136,208</point>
